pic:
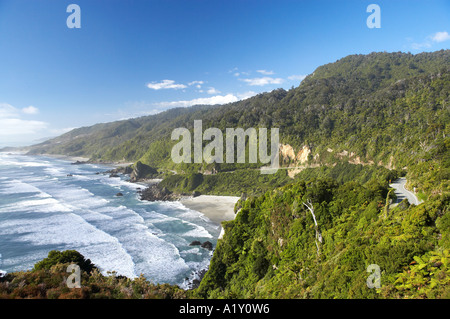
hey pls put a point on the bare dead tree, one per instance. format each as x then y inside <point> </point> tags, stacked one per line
<point>310,207</point>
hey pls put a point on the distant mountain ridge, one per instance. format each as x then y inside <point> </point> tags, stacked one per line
<point>389,109</point>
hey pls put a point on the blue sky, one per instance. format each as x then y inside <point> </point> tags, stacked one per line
<point>134,58</point>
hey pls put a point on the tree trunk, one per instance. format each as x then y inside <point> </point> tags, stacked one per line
<point>310,207</point>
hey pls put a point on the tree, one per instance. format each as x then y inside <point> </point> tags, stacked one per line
<point>63,257</point>
<point>310,207</point>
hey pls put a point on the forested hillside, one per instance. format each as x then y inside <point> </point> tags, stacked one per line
<point>313,229</point>
<point>386,109</point>
<point>317,238</point>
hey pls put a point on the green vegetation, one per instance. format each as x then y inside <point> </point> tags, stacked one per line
<point>226,183</point>
<point>344,172</point>
<point>367,119</point>
<point>388,109</point>
<point>271,250</point>
<point>68,256</point>
<point>48,278</point>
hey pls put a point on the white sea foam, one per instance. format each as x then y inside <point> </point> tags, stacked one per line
<point>83,177</point>
<point>117,182</point>
<point>46,205</point>
<point>73,232</point>
<point>153,256</point>
<point>6,162</point>
<point>54,171</point>
<point>191,251</point>
<point>16,187</point>
<point>73,213</point>
<point>197,232</point>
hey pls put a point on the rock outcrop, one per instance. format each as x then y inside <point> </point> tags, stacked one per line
<point>156,193</point>
<point>142,171</point>
<point>207,245</point>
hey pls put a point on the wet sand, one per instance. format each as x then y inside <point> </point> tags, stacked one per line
<point>216,208</point>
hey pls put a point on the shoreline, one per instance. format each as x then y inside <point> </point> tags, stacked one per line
<point>66,158</point>
<point>84,160</point>
<point>216,208</point>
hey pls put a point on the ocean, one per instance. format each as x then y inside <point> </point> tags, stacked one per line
<point>44,209</point>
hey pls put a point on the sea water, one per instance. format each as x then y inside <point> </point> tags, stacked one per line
<point>50,204</point>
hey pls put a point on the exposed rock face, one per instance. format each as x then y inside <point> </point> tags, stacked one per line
<point>198,277</point>
<point>142,171</point>
<point>195,243</point>
<point>155,192</point>
<point>302,155</point>
<point>120,170</point>
<point>287,152</point>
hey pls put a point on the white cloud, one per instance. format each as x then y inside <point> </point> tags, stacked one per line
<point>236,73</point>
<point>217,99</point>
<point>246,95</point>
<point>263,81</point>
<point>297,77</point>
<point>212,90</point>
<point>7,111</point>
<point>199,83</point>
<point>265,72</point>
<point>166,84</point>
<point>30,110</point>
<point>430,40</point>
<point>13,127</point>
<point>440,36</point>
<point>419,46</point>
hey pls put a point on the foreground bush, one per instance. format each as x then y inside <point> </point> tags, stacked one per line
<point>48,279</point>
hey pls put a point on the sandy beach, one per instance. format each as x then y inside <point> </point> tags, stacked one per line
<point>216,208</point>
<point>87,159</point>
<point>66,157</point>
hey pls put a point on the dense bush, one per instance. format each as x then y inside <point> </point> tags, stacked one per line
<point>63,257</point>
<point>48,278</point>
<point>271,249</point>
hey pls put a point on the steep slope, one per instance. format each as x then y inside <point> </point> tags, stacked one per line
<point>388,109</point>
<point>277,248</point>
